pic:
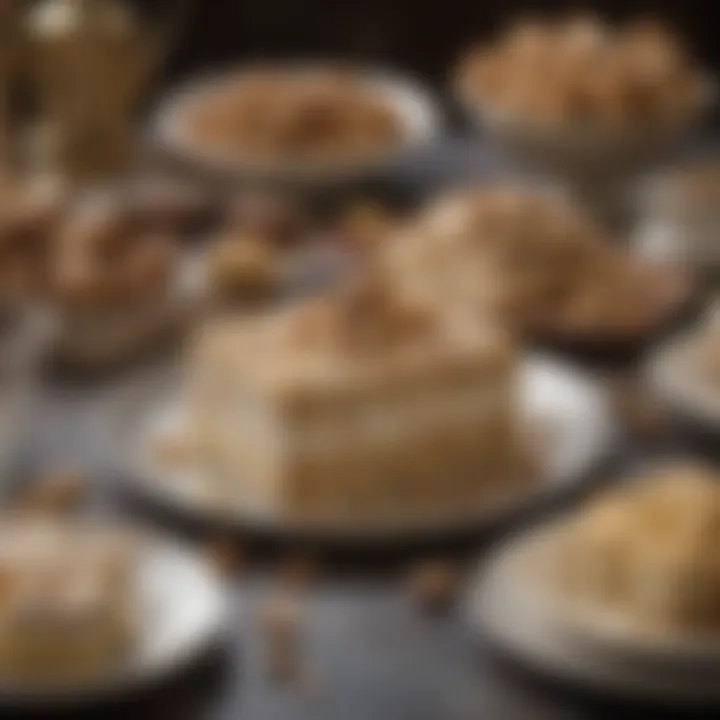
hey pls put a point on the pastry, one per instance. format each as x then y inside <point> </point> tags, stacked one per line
<point>533,260</point>
<point>66,601</point>
<point>646,551</point>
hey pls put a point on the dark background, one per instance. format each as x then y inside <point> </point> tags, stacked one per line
<point>424,36</point>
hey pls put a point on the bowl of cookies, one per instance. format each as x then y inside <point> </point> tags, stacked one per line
<point>306,124</point>
<point>590,103</point>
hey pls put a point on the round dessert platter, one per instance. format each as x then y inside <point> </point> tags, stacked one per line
<point>616,597</point>
<point>180,612</point>
<point>416,115</point>
<point>568,424</point>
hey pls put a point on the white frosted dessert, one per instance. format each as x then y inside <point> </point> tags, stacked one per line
<point>66,601</point>
<point>359,402</point>
<point>647,552</point>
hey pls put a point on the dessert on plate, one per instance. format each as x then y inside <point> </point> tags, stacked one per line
<point>645,553</point>
<point>67,601</point>
<point>116,278</point>
<point>535,261</point>
<point>358,402</point>
<point>582,72</point>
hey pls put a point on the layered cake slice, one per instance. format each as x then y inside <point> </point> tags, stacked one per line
<point>358,402</point>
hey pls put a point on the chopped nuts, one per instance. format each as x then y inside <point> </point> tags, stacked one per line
<point>284,666</point>
<point>280,626</point>
<point>60,491</point>
<point>173,451</point>
<point>299,570</point>
<point>271,216</point>
<point>243,267</point>
<point>366,225</point>
<point>279,619</point>
<point>226,555</point>
<point>641,415</point>
<point>434,584</point>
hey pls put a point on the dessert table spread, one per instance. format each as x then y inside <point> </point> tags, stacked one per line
<point>367,651</point>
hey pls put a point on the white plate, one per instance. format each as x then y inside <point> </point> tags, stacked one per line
<point>672,378</point>
<point>512,612</point>
<point>413,106</point>
<point>573,407</point>
<point>183,612</point>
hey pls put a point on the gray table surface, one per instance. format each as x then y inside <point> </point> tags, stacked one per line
<point>368,653</point>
